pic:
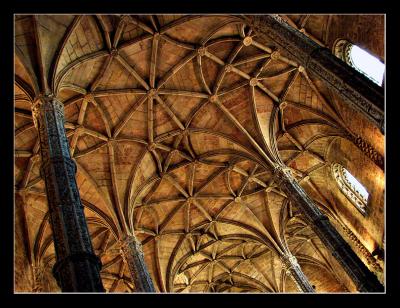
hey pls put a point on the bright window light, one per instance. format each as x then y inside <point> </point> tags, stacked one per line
<point>351,187</point>
<point>368,64</point>
<point>356,184</point>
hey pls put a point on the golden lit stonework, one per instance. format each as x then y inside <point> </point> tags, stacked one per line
<point>203,153</point>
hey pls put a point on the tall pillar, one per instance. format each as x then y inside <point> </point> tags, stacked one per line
<point>77,268</point>
<point>353,87</point>
<point>131,250</point>
<point>292,267</point>
<point>340,249</point>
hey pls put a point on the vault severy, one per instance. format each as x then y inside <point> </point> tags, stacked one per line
<point>172,122</point>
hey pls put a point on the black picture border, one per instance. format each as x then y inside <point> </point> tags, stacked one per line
<point>392,135</point>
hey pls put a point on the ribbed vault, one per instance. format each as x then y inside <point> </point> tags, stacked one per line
<point>174,123</point>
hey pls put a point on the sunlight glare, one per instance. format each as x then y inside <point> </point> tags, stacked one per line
<point>357,185</point>
<point>368,64</point>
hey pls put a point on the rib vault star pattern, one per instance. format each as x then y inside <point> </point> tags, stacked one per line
<point>175,123</point>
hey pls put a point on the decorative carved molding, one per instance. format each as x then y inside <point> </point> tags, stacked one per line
<point>292,267</point>
<point>282,173</point>
<point>368,150</point>
<point>132,253</point>
<point>38,273</point>
<point>342,49</point>
<point>364,251</point>
<point>348,189</point>
<point>365,280</point>
<point>356,89</point>
<point>184,140</point>
<point>77,268</point>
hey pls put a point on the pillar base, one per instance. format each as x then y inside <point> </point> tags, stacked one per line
<point>73,273</point>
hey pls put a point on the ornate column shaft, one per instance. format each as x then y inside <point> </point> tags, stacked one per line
<point>38,273</point>
<point>292,267</point>
<point>340,249</point>
<point>77,268</point>
<point>353,87</point>
<point>368,256</point>
<point>131,250</point>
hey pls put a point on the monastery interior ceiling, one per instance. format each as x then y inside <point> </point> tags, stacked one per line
<point>174,123</point>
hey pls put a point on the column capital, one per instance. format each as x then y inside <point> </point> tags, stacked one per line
<point>41,99</point>
<point>202,51</point>
<point>282,173</point>
<point>289,261</point>
<point>292,268</point>
<point>127,240</point>
<point>43,102</point>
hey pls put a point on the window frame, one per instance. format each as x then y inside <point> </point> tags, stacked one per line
<point>348,190</point>
<point>342,50</point>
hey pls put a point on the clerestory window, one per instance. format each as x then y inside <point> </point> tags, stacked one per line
<point>361,60</point>
<point>351,187</point>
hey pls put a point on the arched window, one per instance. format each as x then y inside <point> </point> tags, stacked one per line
<point>351,187</point>
<point>361,60</point>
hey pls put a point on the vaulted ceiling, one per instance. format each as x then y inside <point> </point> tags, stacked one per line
<point>174,122</point>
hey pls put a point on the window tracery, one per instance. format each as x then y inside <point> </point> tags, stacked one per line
<point>360,59</point>
<point>351,187</point>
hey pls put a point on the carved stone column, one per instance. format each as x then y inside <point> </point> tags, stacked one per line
<point>340,249</point>
<point>131,250</point>
<point>367,255</point>
<point>292,267</point>
<point>38,273</point>
<point>77,268</point>
<point>353,87</point>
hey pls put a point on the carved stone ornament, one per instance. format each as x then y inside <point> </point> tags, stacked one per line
<point>352,86</point>
<point>348,189</point>
<point>292,268</point>
<point>202,51</point>
<point>77,268</point>
<point>38,273</point>
<point>132,253</point>
<point>247,41</point>
<point>371,261</point>
<point>365,280</point>
<point>368,150</point>
<point>282,173</point>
